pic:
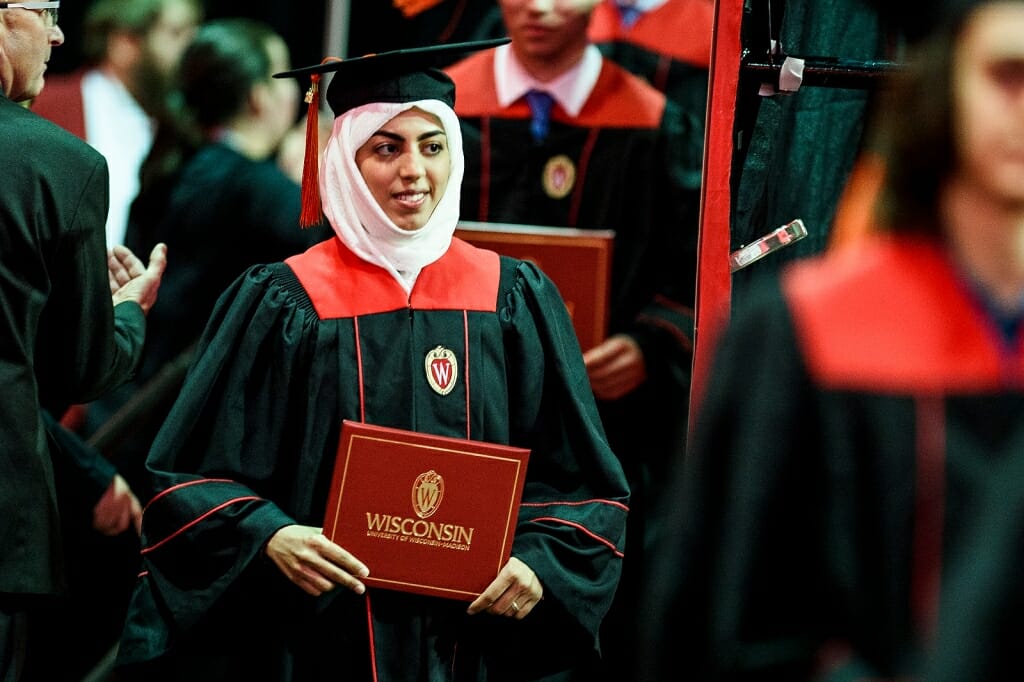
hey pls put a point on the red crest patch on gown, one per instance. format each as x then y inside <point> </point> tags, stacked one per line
<point>442,370</point>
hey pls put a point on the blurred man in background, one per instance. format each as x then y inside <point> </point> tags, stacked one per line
<point>132,48</point>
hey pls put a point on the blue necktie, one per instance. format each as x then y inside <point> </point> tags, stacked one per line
<point>628,13</point>
<point>540,107</point>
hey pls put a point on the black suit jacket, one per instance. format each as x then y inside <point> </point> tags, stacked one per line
<point>58,340</point>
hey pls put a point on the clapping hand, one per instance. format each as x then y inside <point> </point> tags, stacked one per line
<point>132,280</point>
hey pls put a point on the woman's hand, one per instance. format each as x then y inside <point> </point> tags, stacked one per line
<point>513,593</point>
<point>313,562</point>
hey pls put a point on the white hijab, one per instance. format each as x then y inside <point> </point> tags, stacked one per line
<point>355,215</point>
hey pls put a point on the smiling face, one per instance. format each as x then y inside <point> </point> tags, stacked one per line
<point>988,102</point>
<point>406,165</point>
<point>26,38</point>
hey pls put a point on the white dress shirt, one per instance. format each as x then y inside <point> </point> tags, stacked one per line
<point>571,89</point>
<point>118,128</point>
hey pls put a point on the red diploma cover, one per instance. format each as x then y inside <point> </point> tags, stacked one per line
<point>427,514</point>
<point>579,262</point>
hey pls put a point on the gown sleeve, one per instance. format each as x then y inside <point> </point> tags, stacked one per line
<point>571,525</point>
<point>202,530</point>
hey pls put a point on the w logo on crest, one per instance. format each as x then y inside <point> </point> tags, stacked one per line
<point>442,370</point>
<point>427,491</point>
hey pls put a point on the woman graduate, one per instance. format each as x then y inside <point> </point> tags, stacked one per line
<point>238,581</point>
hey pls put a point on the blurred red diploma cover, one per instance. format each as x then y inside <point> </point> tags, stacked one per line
<point>579,262</point>
<point>427,514</point>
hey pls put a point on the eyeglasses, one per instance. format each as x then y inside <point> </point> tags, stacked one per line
<point>47,9</point>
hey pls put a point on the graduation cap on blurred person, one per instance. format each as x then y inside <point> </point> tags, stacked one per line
<point>406,75</point>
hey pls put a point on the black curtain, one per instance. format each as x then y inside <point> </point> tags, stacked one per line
<point>793,152</point>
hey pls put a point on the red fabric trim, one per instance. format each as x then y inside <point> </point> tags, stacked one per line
<point>714,281</point>
<point>61,102</point>
<point>682,339</point>
<point>672,304</point>
<point>584,529</point>
<point>464,278</point>
<point>929,512</point>
<point>359,370</point>
<point>173,488</point>
<point>577,194</point>
<point>895,316</point>
<point>619,99</point>
<point>373,642</point>
<point>565,503</point>
<point>465,371</point>
<point>73,418</point>
<point>198,519</point>
<point>681,29</point>
<point>477,94</point>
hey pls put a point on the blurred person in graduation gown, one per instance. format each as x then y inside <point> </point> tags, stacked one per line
<point>861,405</point>
<point>114,103</point>
<point>69,330</point>
<point>665,42</point>
<point>238,580</point>
<point>418,23</point>
<point>979,615</point>
<point>611,153</point>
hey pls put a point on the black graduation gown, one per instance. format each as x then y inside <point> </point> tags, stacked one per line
<point>978,633</point>
<point>630,162</point>
<point>220,214</point>
<point>249,447</point>
<point>854,417</point>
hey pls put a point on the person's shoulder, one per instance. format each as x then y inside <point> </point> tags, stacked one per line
<point>850,272</point>
<point>475,89</point>
<point>622,100</point>
<point>276,285</point>
<point>618,79</point>
<point>524,275</point>
<point>681,30</point>
<point>474,68</point>
<point>42,139</point>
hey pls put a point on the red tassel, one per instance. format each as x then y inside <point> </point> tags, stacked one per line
<point>312,210</point>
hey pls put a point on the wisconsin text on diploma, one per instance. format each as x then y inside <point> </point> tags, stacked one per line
<point>383,525</point>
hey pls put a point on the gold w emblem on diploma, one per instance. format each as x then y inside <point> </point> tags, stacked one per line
<point>427,491</point>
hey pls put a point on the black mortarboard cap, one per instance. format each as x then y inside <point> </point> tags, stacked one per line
<point>396,76</point>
